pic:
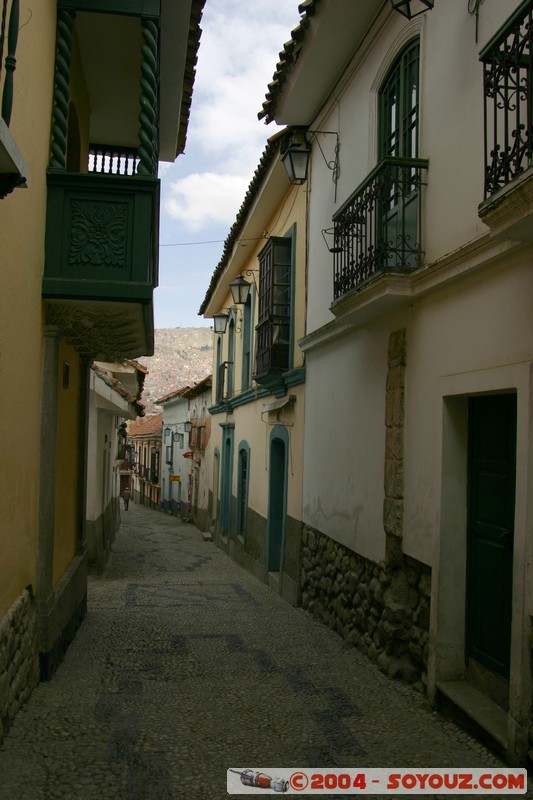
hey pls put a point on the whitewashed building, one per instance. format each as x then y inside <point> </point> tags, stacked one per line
<point>175,466</point>
<point>417,498</point>
<point>114,397</point>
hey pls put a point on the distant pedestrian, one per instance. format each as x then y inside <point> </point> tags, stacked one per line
<point>126,494</point>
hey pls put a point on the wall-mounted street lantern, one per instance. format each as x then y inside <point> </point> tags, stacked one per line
<point>220,322</point>
<point>240,290</point>
<point>412,8</point>
<point>295,158</point>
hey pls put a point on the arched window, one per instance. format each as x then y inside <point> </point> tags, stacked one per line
<point>399,106</point>
<point>398,211</point>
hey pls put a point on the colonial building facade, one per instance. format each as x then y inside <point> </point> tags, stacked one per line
<point>257,300</point>
<point>417,500</point>
<point>111,403</point>
<point>145,438</point>
<point>94,93</point>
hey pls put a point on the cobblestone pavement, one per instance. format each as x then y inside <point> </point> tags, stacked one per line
<point>187,665</point>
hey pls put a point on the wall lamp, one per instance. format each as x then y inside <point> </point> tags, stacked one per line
<point>221,319</point>
<point>184,427</point>
<point>240,291</point>
<point>295,158</point>
<point>412,8</point>
<point>240,288</point>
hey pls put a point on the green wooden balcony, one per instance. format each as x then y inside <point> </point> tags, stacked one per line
<point>101,260</point>
<point>101,237</point>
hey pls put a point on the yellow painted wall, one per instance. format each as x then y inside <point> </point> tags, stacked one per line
<point>279,225</point>
<point>67,470</point>
<point>22,224</point>
<point>249,424</point>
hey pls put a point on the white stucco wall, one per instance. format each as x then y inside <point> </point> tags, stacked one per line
<point>470,326</point>
<point>175,413</point>
<point>451,133</point>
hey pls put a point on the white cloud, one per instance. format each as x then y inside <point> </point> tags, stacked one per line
<point>238,55</point>
<point>201,199</point>
<point>239,50</point>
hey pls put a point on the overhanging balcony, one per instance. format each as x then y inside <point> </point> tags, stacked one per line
<point>101,256</point>
<point>13,168</point>
<point>101,233</point>
<point>508,123</point>
<point>102,216</point>
<point>272,351</point>
<point>378,229</point>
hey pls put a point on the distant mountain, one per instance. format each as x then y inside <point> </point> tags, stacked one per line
<point>183,356</point>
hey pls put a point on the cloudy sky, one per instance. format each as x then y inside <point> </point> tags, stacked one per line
<point>203,190</point>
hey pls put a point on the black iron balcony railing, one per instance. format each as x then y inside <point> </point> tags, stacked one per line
<point>508,88</point>
<point>378,229</point>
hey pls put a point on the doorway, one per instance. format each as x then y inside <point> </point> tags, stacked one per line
<point>277,499</point>
<point>226,481</point>
<point>490,521</point>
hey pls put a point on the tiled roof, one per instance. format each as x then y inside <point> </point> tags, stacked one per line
<point>199,387</point>
<point>134,363</point>
<point>116,385</point>
<point>287,57</point>
<point>146,426</point>
<point>172,395</point>
<point>264,163</point>
<point>193,45</point>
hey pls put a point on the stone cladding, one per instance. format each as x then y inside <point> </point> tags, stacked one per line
<point>382,609</point>
<point>19,665</point>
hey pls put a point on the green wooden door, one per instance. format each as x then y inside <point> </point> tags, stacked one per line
<point>491,492</point>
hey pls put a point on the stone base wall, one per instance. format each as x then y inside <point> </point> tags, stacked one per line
<point>19,663</point>
<point>100,535</point>
<point>61,614</point>
<point>382,609</point>
<point>171,507</point>
<point>250,552</point>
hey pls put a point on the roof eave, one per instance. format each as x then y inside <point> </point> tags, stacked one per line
<point>180,41</point>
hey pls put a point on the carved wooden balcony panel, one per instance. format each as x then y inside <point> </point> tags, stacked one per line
<point>101,237</point>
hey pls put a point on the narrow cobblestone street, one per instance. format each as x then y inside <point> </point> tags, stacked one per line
<point>187,665</point>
